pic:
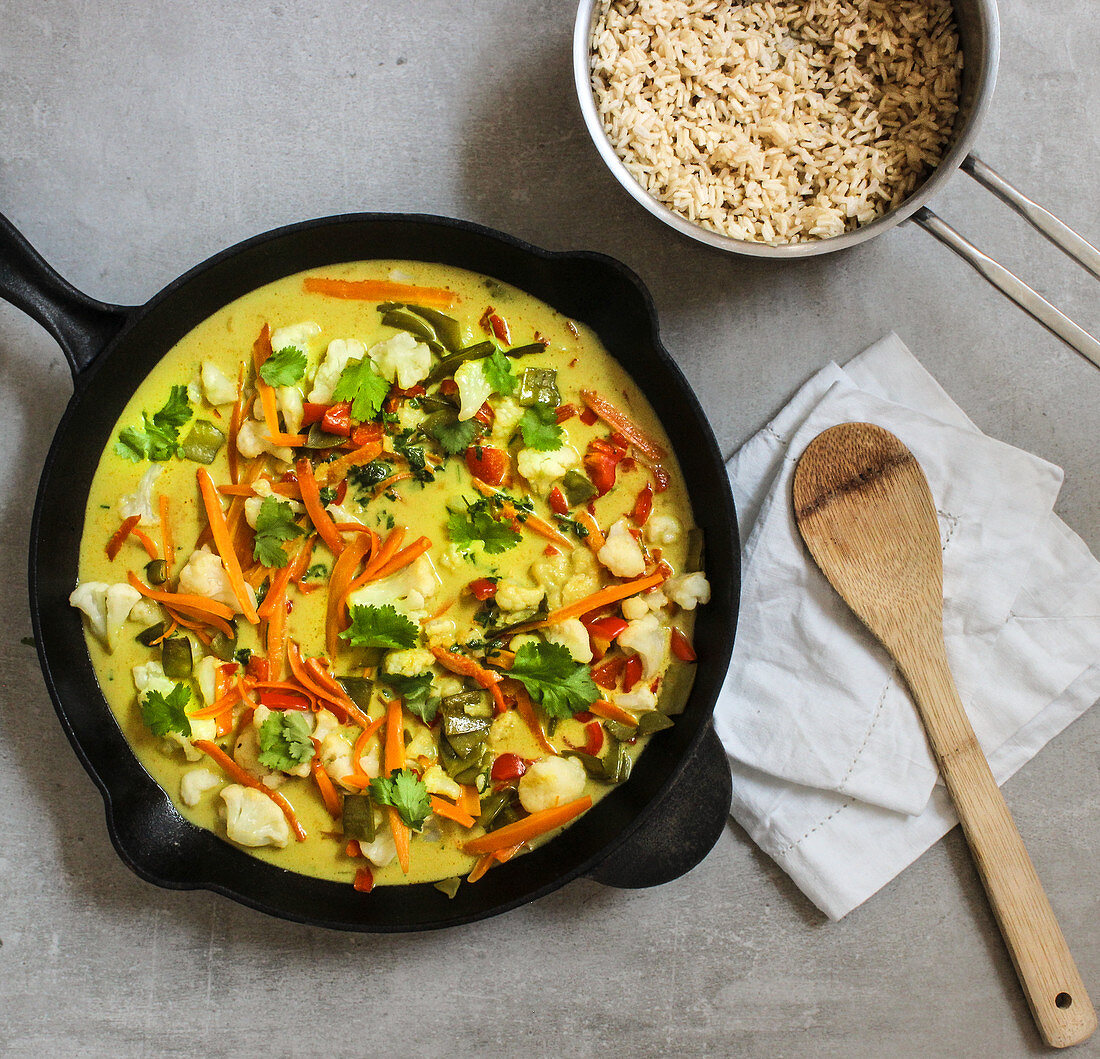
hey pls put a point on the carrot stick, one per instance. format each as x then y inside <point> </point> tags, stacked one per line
<point>276,639</point>
<point>611,594</point>
<point>271,417</point>
<point>384,554</point>
<point>311,497</point>
<point>467,667</point>
<point>470,801</point>
<point>502,856</point>
<point>146,542</point>
<point>451,812</point>
<point>480,868</point>
<point>333,472</point>
<point>359,774</point>
<point>216,517</point>
<point>526,709</point>
<point>400,837</point>
<point>343,573</point>
<point>616,419</point>
<point>181,600</point>
<point>394,750</point>
<point>324,784</point>
<point>166,530</point>
<point>248,780</point>
<point>595,539</point>
<point>403,558</point>
<point>379,290</point>
<point>610,712</point>
<point>115,543</point>
<point>199,621</point>
<point>528,828</point>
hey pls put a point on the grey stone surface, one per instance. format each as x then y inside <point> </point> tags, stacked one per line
<point>135,140</point>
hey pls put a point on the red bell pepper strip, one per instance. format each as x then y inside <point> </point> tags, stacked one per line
<point>632,672</point>
<point>558,504</point>
<point>482,589</point>
<point>487,464</point>
<point>681,646</point>
<point>507,769</point>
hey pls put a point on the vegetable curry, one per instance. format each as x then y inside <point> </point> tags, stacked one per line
<point>389,573</point>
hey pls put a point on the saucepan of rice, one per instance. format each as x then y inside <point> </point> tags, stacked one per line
<point>788,128</point>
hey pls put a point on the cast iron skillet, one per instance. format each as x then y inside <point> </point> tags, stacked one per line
<point>650,830</point>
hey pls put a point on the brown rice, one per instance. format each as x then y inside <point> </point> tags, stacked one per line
<point>777,122</point>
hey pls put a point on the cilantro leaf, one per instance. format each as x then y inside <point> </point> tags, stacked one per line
<point>478,526</point>
<point>283,368</point>
<point>414,693</point>
<point>540,429</point>
<point>405,791</point>
<point>454,435</point>
<point>158,436</point>
<point>498,373</point>
<point>285,741</point>
<point>415,456</point>
<point>274,524</point>
<point>380,627</point>
<point>165,713</point>
<point>367,475</point>
<point>364,387</point>
<point>561,686</point>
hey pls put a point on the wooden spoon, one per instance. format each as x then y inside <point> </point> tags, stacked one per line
<point>865,511</point>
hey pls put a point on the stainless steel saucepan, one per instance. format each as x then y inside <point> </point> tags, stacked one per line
<point>979,34</point>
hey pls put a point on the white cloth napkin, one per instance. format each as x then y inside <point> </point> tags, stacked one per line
<point>832,774</point>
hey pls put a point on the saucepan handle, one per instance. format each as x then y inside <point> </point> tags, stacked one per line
<point>1007,282</point>
<point>81,325</point>
<point>682,828</point>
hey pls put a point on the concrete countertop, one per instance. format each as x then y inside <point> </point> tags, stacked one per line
<point>135,141</point>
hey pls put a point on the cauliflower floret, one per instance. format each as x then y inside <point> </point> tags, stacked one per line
<point>297,335</point>
<point>253,504</point>
<point>572,635</point>
<point>507,414</point>
<point>107,607</point>
<point>146,612</point>
<point>336,754</point>
<point>543,469</point>
<point>288,399</point>
<point>253,440</point>
<point>621,553</point>
<point>407,591</point>
<point>324,722</point>
<point>639,606</point>
<point>411,663</point>
<point>438,782</point>
<point>382,850</point>
<point>649,639</point>
<point>402,359</point>
<point>340,352</point>
<point>441,632</point>
<point>422,743</point>
<point>252,818</point>
<point>688,590</point>
<point>513,597</point>
<point>140,501</point>
<point>341,513</point>
<point>639,700</point>
<point>195,783</point>
<point>585,579</point>
<point>206,676</point>
<point>551,572</point>
<point>662,529</point>
<point>551,782</point>
<point>217,387</point>
<point>150,677</point>
<point>474,388</point>
<point>408,417</point>
<point>204,575</point>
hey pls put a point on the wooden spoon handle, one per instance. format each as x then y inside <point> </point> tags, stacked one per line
<point>1050,980</point>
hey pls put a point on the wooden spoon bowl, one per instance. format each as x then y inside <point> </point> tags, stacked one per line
<point>864,509</point>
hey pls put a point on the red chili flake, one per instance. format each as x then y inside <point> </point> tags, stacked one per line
<point>550,550</point>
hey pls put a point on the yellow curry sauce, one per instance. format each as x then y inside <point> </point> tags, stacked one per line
<point>483,568</point>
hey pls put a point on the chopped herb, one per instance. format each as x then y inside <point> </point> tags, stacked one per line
<point>165,713</point>
<point>561,686</point>
<point>243,655</point>
<point>317,572</point>
<point>572,524</point>
<point>366,476</point>
<point>380,627</point>
<point>414,454</point>
<point>414,693</point>
<point>327,494</point>
<point>384,518</point>
<point>274,524</point>
<point>283,368</point>
<point>498,373</point>
<point>364,387</point>
<point>158,437</point>
<point>540,428</point>
<point>405,791</point>
<point>285,741</point>
<point>478,526</point>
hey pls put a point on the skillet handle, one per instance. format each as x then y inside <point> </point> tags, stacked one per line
<point>81,325</point>
<point>683,827</point>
